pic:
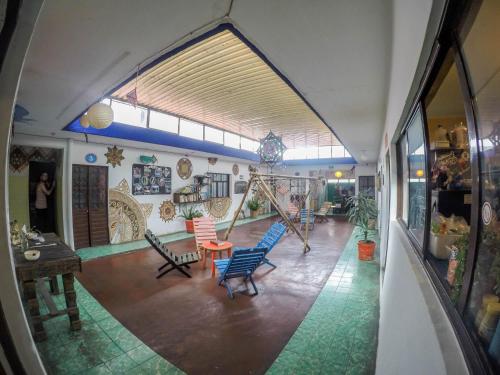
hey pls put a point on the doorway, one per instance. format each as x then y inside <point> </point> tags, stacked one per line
<point>90,206</point>
<point>42,219</point>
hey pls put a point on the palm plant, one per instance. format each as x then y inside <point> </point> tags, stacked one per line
<point>190,213</point>
<point>362,211</point>
<point>254,204</point>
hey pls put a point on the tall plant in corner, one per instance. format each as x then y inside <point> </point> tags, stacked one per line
<point>362,213</point>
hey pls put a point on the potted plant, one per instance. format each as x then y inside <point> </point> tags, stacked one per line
<point>189,213</point>
<point>362,211</point>
<point>254,205</point>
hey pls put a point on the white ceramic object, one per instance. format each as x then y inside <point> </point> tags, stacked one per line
<point>100,115</point>
<point>32,254</point>
<point>439,244</point>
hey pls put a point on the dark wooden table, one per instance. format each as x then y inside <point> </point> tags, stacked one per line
<point>56,259</point>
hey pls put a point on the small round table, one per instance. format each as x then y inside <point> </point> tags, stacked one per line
<point>224,246</point>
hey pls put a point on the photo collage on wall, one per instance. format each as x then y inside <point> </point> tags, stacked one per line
<point>151,179</point>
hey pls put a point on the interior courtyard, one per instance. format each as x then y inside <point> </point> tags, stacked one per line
<point>250,187</point>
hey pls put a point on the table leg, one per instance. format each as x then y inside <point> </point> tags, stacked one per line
<point>29,291</point>
<point>229,252</point>
<point>204,258</point>
<point>54,286</point>
<point>70,296</point>
<point>213,263</point>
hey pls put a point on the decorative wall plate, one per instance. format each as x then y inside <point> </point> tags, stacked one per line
<point>167,211</point>
<point>184,168</point>
<point>114,156</point>
<point>212,161</point>
<point>218,207</point>
<point>91,158</point>
<point>236,169</point>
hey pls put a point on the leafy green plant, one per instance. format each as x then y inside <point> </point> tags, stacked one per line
<point>189,213</point>
<point>462,244</point>
<point>362,211</point>
<point>254,204</point>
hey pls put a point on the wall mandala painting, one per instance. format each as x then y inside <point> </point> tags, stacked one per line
<point>218,207</point>
<point>167,211</point>
<point>127,217</point>
<point>236,169</point>
<point>184,168</point>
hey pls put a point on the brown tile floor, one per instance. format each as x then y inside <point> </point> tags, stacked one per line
<point>193,324</point>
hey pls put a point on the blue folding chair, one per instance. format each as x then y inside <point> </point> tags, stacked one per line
<point>242,263</point>
<point>271,238</point>
<point>303,218</point>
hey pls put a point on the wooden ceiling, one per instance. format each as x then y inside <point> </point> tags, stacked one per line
<point>220,81</point>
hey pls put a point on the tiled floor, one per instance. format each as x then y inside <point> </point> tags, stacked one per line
<point>339,334</point>
<point>99,251</point>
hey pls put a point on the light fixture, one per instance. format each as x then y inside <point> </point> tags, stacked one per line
<point>338,174</point>
<point>420,173</point>
<point>84,121</point>
<point>100,115</point>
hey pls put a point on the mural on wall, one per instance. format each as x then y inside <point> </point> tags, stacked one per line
<point>236,169</point>
<point>167,211</point>
<point>114,156</point>
<point>218,207</point>
<point>151,179</point>
<point>127,217</point>
<point>184,168</point>
<point>20,156</point>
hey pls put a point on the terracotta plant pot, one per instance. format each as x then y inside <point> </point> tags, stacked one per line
<point>189,226</point>
<point>254,213</point>
<point>366,250</point>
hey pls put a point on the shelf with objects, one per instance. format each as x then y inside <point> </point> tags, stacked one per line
<point>196,193</point>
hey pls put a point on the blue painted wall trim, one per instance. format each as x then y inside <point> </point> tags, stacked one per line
<point>148,135</point>
<point>320,161</point>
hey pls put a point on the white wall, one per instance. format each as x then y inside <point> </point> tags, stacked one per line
<point>165,159</point>
<point>415,335</point>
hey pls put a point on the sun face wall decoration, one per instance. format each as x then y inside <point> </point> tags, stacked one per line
<point>114,156</point>
<point>271,150</point>
<point>167,211</point>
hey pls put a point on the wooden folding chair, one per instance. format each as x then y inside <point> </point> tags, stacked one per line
<point>175,261</point>
<point>204,230</point>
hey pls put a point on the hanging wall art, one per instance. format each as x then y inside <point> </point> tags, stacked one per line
<point>236,169</point>
<point>167,211</point>
<point>212,161</point>
<point>151,179</point>
<point>184,168</point>
<point>218,207</point>
<point>127,217</point>
<point>114,156</point>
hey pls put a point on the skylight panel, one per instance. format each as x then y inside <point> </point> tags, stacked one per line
<point>163,121</point>
<point>191,129</point>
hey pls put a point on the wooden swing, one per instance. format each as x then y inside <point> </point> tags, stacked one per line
<point>261,181</point>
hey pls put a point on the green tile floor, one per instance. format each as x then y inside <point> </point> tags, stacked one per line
<point>339,333</point>
<point>337,336</point>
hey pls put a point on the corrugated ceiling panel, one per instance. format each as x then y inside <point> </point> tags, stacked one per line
<point>222,82</point>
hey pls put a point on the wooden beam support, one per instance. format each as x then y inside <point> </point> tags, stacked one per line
<point>238,210</point>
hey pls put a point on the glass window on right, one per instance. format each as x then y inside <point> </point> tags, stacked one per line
<point>450,177</point>
<point>481,52</point>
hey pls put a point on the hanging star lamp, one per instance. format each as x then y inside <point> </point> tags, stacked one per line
<point>271,150</point>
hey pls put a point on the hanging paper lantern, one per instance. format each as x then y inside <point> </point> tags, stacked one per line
<point>338,174</point>
<point>84,121</point>
<point>100,115</point>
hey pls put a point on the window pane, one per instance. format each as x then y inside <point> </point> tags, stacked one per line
<point>231,140</point>
<point>214,135</point>
<point>162,121</point>
<point>417,180</point>
<point>325,152</point>
<point>311,152</point>
<point>347,154</point>
<point>125,113</point>
<point>450,175</point>
<point>288,154</point>
<point>249,144</point>
<point>367,185</point>
<point>403,161</point>
<point>191,129</point>
<point>480,48</point>
<point>300,153</point>
<point>338,151</point>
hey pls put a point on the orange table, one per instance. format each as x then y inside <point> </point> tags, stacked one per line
<point>209,246</point>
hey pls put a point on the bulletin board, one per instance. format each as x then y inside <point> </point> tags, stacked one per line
<point>151,179</point>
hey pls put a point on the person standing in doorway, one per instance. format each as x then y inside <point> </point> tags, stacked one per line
<point>42,192</point>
